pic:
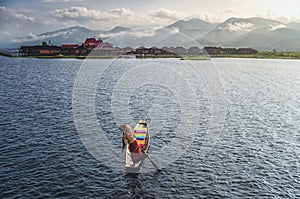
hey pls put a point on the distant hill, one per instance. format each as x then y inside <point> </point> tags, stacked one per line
<point>233,28</point>
<point>193,27</point>
<point>118,29</point>
<point>267,38</point>
<point>179,33</point>
<point>74,34</point>
<point>294,25</point>
<point>259,33</point>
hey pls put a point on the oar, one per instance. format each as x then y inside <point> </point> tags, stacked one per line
<point>156,167</point>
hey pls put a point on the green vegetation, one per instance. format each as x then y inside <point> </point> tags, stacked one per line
<point>235,56</point>
<point>156,56</point>
<point>263,55</point>
<point>278,55</point>
<point>196,58</point>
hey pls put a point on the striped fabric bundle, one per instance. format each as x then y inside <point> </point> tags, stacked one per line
<point>140,135</point>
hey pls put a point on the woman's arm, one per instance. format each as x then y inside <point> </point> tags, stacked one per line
<point>124,141</point>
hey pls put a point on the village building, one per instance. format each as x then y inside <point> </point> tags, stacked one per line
<point>247,51</point>
<point>91,42</point>
<point>69,49</point>
<point>127,49</point>
<point>180,50</point>
<point>142,50</point>
<point>39,50</point>
<point>81,51</point>
<point>194,51</point>
<point>105,51</point>
<point>155,51</point>
<point>228,51</point>
<point>169,50</point>
<point>97,47</point>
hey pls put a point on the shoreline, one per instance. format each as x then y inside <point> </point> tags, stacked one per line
<point>259,55</point>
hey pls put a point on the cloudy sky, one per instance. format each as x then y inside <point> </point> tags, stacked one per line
<point>20,18</point>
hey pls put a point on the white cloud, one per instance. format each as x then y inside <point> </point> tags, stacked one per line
<point>148,32</point>
<point>237,26</point>
<point>233,1</point>
<point>33,37</point>
<point>271,14</point>
<point>8,15</point>
<point>107,19</point>
<point>13,24</point>
<point>59,1</point>
<point>175,30</point>
<point>17,23</point>
<point>6,33</point>
<point>97,19</point>
<point>137,32</point>
<point>276,26</point>
<point>82,13</point>
<point>168,14</point>
<point>230,11</point>
<point>295,19</point>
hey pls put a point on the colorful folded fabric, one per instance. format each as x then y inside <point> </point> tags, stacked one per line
<point>140,135</point>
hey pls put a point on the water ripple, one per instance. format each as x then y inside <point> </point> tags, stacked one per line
<point>257,155</point>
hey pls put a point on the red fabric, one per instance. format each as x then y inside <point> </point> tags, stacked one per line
<point>136,152</point>
<point>134,147</point>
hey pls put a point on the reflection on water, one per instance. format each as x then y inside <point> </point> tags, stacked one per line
<point>134,186</point>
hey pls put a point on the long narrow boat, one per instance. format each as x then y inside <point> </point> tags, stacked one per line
<point>134,161</point>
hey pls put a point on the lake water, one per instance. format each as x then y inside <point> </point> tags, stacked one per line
<point>254,105</point>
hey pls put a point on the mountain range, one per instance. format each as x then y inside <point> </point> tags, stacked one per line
<point>258,33</point>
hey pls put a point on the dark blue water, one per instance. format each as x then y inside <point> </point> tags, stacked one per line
<point>256,156</point>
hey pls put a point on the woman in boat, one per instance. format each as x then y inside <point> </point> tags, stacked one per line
<point>128,136</point>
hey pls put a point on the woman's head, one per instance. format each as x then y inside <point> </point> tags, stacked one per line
<point>126,128</point>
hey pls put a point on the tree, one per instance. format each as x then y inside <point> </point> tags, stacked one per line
<point>45,43</point>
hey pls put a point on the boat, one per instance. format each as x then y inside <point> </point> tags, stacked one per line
<point>134,161</point>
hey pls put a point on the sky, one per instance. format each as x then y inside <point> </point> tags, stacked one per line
<point>19,18</point>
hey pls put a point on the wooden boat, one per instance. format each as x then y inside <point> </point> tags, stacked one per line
<point>134,161</point>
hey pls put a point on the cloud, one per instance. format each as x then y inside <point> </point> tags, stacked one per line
<point>168,14</point>
<point>17,23</point>
<point>294,19</point>
<point>7,15</point>
<point>137,32</point>
<point>7,33</point>
<point>82,13</point>
<point>230,11</point>
<point>237,26</point>
<point>107,19</point>
<point>271,14</point>
<point>165,16</point>
<point>276,26</point>
<point>33,37</point>
<point>59,1</point>
<point>13,24</point>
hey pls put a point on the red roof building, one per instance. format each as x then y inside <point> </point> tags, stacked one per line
<point>93,43</point>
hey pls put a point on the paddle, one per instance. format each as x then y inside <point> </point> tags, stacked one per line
<point>152,162</point>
